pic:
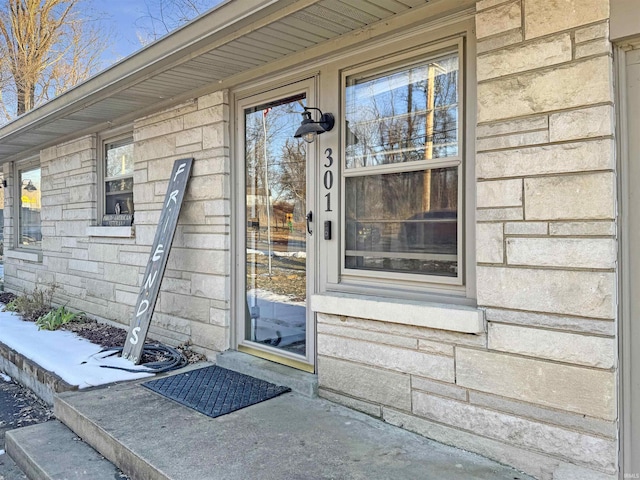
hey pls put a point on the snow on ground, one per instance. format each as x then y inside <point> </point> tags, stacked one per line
<point>272,297</point>
<point>278,254</point>
<point>74,359</point>
<point>6,378</point>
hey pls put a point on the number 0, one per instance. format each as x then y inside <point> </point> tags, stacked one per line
<point>328,179</point>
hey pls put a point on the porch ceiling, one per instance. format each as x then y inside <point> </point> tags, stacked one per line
<point>235,38</point>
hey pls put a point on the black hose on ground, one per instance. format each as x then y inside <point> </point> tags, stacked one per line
<point>174,359</point>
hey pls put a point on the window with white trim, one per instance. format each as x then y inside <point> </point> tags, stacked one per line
<point>402,202</point>
<point>29,207</point>
<point>118,177</point>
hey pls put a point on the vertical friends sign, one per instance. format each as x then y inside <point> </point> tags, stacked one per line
<point>157,260</point>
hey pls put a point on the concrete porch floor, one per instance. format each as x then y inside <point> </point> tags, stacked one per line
<point>292,436</point>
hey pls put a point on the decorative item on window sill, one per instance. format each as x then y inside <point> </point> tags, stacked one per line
<point>309,128</point>
<point>117,220</point>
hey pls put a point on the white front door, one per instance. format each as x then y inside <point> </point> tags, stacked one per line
<point>275,230</point>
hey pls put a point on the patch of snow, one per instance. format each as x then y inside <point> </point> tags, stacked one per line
<point>1,452</point>
<point>291,254</point>
<point>6,378</point>
<point>278,254</point>
<point>272,297</point>
<point>76,360</point>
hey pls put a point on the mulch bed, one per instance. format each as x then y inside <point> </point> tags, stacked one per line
<point>20,407</point>
<point>107,336</point>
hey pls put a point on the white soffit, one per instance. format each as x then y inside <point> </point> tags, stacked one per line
<point>236,37</point>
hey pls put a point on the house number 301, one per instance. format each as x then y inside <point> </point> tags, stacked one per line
<point>328,177</point>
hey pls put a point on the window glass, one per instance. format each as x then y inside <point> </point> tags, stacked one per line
<point>404,218</point>
<point>30,231</point>
<point>403,222</point>
<point>2,190</point>
<point>119,177</point>
<point>276,228</point>
<point>403,116</point>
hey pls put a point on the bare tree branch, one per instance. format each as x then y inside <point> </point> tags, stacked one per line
<point>46,47</point>
<point>164,16</point>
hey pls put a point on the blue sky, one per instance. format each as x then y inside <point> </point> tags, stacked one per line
<point>121,19</point>
<point>125,17</point>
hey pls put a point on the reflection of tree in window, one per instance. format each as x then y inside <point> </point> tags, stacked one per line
<point>279,182</point>
<point>292,172</point>
<point>404,219</point>
<point>404,116</point>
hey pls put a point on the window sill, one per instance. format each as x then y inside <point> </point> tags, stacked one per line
<point>430,315</point>
<point>27,256</point>
<point>120,232</point>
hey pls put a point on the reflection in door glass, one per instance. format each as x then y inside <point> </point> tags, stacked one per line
<point>276,287</point>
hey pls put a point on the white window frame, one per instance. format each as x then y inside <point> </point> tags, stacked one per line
<point>380,68</point>
<point>23,166</point>
<point>2,206</point>
<point>102,178</point>
<point>411,285</point>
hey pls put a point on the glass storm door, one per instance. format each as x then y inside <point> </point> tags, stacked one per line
<point>277,230</point>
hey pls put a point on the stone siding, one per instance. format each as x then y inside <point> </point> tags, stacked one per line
<point>194,301</point>
<point>101,275</point>
<point>538,389</point>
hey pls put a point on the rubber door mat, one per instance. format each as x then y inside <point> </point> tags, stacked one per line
<point>215,391</point>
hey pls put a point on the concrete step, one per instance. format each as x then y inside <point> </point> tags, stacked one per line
<point>291,436</point>
<point>9,470</point>
<point>121,437</point>
<point>50,451</point>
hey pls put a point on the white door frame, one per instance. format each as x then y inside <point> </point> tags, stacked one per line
<point>307,86</point>
<point>628,128</point>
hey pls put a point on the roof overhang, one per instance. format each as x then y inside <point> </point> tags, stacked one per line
<point>234,42</point>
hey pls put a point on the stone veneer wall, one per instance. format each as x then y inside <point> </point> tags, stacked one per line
<point>538,390</point>
<point>102,275</point>
<point>68,178</point>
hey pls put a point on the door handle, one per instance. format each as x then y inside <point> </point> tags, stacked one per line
<point>309,220</point>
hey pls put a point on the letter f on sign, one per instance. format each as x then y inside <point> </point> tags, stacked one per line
<point>179,171</point>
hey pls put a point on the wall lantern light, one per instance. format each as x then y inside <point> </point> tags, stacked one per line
<point>29,187</point>
<point>309,128</point>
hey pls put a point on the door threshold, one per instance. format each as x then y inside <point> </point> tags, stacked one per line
<point>274,357</point>
<point>300,382</point>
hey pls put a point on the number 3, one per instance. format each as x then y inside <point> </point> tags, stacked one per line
<point>328,153</point>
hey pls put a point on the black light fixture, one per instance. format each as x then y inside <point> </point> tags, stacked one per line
<point>309,128</point>
<point>29,187</point>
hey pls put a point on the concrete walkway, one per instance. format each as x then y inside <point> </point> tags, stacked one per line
<point>289,437</point>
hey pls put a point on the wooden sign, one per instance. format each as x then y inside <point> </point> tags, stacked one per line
<point>157,261</point>
<point>117,220</point>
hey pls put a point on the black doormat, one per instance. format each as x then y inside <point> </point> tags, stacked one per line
<point>214,390</point>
